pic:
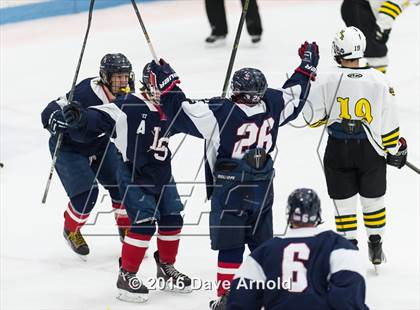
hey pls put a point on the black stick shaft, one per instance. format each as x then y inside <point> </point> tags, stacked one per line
<point>412,167</point>
<point>69,99</point>
<point>235,48</point>
<point>143,27</point>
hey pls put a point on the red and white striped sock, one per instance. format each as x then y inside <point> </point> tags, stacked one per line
<point>225,274</point>
<point>133,250</point>
<point>74,220</point>
<point>120,214</point>
<point>168,244</point>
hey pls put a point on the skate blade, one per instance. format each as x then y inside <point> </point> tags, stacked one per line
<point>217,43</point>
<point>132,297</point>
<point>376,268</point>
<point>82,257</point>
<point>175,289</point>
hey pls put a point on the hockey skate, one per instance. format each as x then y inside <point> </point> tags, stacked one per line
<point>255,38</point>
<point>174,281</point>
<point>216,40</point>
<point>376,254</point>
<point>77,243</point>
<point>130,288</point>
<point>220,303</point>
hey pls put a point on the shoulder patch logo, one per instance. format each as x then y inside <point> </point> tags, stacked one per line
<point>392,91</point>
<point>354,75</point>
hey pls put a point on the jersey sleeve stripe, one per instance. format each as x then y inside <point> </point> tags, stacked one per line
<point>391,132</point>
<point>392,6</point>
<point>251,269</point>
<point>319,123</point>
<point>346,259</point>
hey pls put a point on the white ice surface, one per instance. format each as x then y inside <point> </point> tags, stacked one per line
<point>38,60</point>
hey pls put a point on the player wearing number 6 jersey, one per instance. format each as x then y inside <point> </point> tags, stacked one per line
<point>317,270</point>
<point>357,106</point>
<point>141,133</point>
<point>240,135</point>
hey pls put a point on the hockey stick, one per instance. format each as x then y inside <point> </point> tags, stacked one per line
<point>70,98</point>
<point>235,48</point>
<point>143,27</point>
<point>412,167</point>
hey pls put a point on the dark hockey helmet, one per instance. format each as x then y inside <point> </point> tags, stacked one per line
<point>115,63</point>
<point>248,86</point>
<point>303,207</point>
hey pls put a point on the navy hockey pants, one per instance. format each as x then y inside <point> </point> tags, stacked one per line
<point>241,206</point>
<point>78,173</point>
<point>141,205</point>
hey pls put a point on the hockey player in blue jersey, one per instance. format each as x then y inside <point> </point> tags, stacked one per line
<point>141,133</point>
<point>80,164</point>
<point>240,134</point>
<point>306,269</point>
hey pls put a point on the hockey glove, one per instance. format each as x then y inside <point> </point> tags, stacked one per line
<point>75,115</point>
<point>398,160</point>
<point>57,123</point>
<point>309,53</point>
<point>382,35</point>
<point>163,77</point>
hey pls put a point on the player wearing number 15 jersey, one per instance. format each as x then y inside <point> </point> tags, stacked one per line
<point>141,133</point>
<point>240,135</point>
<point>306,269</point>
<point>357,105</point>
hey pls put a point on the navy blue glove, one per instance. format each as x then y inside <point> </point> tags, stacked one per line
<point>309,53</point>
<point>74,115</point>
<point>163,77</point>
<point>57,123</point>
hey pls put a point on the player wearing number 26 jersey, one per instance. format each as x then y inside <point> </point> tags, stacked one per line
<point>357,105</point>
<point>308,268</point>
<point>240,135</point>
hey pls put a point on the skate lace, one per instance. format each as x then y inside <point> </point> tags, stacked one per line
<point>172,272</point>
<point>77,239</point>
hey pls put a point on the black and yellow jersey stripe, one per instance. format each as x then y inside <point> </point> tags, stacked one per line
<point>391,138</point>
<point>390,8</point>
<point>319,123</point>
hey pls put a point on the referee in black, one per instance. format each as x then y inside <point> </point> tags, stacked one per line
<point>216,14</point>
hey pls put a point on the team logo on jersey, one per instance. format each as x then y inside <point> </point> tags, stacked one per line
<point>354,75</point>
<point>392,91</point>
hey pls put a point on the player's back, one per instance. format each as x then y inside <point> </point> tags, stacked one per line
<point>351,93</point>
<point>299,270</point>
<point>241,127</point>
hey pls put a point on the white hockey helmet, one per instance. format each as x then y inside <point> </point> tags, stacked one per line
<point>348,43</point>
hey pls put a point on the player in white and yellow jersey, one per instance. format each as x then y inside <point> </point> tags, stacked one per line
<point>375,18</point>
<point>357,106</point>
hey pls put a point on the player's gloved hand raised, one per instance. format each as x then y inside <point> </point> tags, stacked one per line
<point>382,35</point>
<point>398,160</point>
<point>309,53</point>
<point>163,77</point>
<point>57,123</point>
<point>74,115</point>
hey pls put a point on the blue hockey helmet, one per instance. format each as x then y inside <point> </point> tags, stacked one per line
<point>115,63</point>
<point>303,207</point>
<point>248,86</point>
